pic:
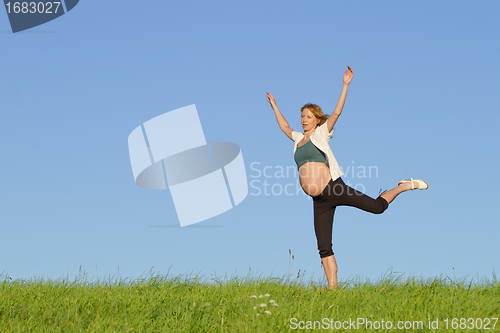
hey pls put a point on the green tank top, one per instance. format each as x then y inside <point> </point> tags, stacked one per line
<point>308,153</point>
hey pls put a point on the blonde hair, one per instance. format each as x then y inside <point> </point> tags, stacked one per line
<point>317,112</point>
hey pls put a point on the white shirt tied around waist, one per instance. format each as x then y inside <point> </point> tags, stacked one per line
<point>320,138</point>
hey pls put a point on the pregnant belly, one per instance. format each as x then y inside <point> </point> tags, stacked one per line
<point>314,176</point>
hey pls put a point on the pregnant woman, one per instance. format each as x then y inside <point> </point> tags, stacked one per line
<point>320,175</point>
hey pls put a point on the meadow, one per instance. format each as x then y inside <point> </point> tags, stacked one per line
<point>251,303</point>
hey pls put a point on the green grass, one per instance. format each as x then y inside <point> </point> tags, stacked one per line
<point>186,304</point>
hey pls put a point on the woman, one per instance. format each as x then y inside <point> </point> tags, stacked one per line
<point>320,173</point>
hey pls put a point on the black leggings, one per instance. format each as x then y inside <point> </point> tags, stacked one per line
<point>337,193</point>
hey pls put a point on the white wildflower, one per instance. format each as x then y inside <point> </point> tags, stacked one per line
<point>263,305</point>
<point>267,295</point>
<point>258,314</point>
<point>275,304</point>
<point>272,301</point>
<point>253,296</point>
<point>267,312</point>
<point>260,296</point>
<point>254,307</point>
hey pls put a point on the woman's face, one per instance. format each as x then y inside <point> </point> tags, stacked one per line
<point>309,121</point>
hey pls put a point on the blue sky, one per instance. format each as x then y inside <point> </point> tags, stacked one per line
<point>422,104</point>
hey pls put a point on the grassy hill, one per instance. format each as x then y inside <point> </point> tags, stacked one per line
<point>248,304</point>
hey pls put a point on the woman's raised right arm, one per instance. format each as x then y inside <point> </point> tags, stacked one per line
<point>279,117</point>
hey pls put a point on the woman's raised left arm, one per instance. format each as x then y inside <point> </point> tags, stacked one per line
<point>348,74</point>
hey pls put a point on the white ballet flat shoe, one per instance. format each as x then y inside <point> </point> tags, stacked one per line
<point>421,184</point>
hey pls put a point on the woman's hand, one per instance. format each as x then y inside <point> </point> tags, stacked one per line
<point>271,100</point>
<point>348,75</point>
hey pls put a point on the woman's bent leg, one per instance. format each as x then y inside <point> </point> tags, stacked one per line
<point>337,193</point>
<point>347,196</point>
